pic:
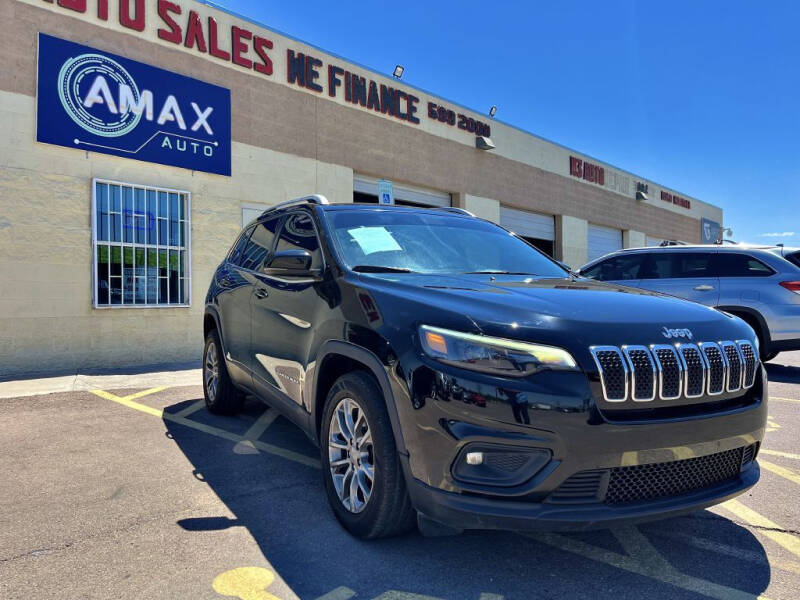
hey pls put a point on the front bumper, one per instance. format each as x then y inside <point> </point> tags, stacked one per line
<point>461,511</point>
<point>561,419</point>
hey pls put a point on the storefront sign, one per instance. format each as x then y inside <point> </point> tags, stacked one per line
<point>245,47</point>
<point>710,231</point>
<point>102,102</point>
<point>675,199</point>
<point>586,170</point>
<point>385,192</point>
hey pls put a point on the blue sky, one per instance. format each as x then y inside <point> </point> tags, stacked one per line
<point>700,96</point>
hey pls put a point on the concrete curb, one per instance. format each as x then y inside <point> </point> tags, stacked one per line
<point>108,381</point>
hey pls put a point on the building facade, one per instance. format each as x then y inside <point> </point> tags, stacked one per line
<point>137,136</point>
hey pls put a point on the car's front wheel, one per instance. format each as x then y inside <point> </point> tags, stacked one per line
<point>220,394</point>
<point>363,477</point>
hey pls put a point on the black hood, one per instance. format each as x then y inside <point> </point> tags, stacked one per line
<point>568,312</point>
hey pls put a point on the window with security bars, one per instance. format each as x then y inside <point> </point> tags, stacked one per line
<point>141,246</point>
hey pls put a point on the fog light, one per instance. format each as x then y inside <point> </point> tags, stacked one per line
<point>482,463</point>
<point>474,458</point>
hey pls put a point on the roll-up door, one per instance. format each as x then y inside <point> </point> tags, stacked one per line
<point>528,224</point>
<point>603,240</point>
<point>539,230</point>
<point>365,189</point>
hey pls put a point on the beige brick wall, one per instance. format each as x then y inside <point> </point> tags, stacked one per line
<point>286,142</point>
<point>47,322</point>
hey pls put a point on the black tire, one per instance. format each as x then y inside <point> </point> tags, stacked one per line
<point>387,511</point>
<point>222,398</point>
<point>764,354</point>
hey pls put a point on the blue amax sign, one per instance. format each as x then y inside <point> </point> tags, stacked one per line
<point>101,102</point>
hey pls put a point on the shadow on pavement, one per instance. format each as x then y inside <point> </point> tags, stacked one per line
<point>781,373</point>
<point>283,506</point>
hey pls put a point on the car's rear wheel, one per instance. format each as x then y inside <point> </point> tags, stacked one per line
<point>362,473</point>
<point>220,394</point>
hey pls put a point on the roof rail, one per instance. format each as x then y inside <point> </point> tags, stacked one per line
<point>313,199</point>
<point>455,209</point>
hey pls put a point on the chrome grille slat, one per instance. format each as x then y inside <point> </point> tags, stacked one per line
<point>694,369</point>
<point>671,372</point>
<point>750,358</point>
<point>735,363</point>
<point>613,372</point>
<point>643,370</point>
<point>717,367</point>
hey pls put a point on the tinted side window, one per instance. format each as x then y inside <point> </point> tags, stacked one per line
<point>298,233</point>
<point>730,264</point>
<point>617,268</point>
<point>260,244</point>
<point>678,265</point>
<point>794,258</point>
<point>236,253</point>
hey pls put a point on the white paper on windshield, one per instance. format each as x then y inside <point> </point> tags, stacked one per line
<point>374,239</point>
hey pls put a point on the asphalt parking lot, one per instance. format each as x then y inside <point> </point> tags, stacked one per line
<point>140,493</point>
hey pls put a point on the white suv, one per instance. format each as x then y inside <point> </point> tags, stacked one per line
<point>759,284</point>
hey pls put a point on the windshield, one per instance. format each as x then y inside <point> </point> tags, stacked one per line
<point>419,242</point>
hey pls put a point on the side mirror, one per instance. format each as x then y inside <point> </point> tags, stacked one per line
<point>290,263</point>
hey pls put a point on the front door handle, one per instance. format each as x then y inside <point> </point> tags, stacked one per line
<point>704,288</point>
<point>261,293</point>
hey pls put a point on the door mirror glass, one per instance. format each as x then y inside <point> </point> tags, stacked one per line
<point>290,263</point>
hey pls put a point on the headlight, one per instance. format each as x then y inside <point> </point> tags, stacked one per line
<point>492,355</point>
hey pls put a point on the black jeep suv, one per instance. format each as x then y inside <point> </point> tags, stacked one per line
<point>452,374</point>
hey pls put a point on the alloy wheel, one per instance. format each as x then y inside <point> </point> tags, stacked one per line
<point>211,371</point>
<point>350,455</point>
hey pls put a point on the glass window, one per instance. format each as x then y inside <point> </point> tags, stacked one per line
<point>730,264</point>
<point>298,233</point>
<point>677,265</point>
<point>237,250</point>
<point>259,245</point>
<point>794,258</point>
<point>428,242</point>
<point>140,246</point>
<point>617,268</point>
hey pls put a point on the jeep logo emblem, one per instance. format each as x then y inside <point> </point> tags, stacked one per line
<point>676,333</point>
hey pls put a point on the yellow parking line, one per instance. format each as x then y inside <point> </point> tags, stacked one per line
<point>143,393</point>
<point>261,424</point>
<point>209,429</point>
<point>780,471</point>
<point>777,453</point>
<point>728,550</point>
<point>784,399</point>
<point>191,409</point>
<point>633,564</point>
<point>764,526</point>
<point>156,412</point>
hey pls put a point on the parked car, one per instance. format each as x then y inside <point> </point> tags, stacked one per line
<point>456,377</point>
<point>758,284</point>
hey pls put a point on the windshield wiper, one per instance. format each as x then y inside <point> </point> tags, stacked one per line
<point>493,272</point>
<point>379,269</point>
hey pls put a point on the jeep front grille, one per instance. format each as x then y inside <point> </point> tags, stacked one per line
<point>668,372</point>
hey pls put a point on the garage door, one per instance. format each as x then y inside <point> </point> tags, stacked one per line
<point>652,241</point>
<point>603,240</point>
<point>402,193</point>
<point>528,224</point>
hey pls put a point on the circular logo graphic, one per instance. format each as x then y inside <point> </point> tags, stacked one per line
<point>78,75</point>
